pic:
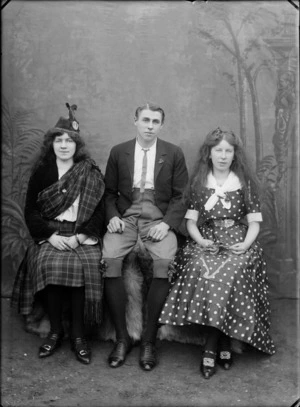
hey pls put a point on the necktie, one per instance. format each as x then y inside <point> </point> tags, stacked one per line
<point>144,170</point>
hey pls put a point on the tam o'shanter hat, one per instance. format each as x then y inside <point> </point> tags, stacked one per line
<point>70,124</point>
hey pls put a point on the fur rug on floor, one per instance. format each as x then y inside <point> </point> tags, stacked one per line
<point>137,274</point>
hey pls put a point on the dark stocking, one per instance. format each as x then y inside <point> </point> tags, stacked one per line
<point>77,311</point>
<point>224,342</point>
<point>208,359</point>
<point>54,300</point>
<point>155,300</point>
<point>213,335</point>
<point>116,298</point>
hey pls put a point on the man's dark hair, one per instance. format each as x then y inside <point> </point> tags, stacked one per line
<point>153,108</point>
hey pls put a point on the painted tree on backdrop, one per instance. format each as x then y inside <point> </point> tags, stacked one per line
<point>20,144</point>
<point>238,32</point>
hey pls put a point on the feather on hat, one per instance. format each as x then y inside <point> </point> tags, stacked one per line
<point>68,125</point>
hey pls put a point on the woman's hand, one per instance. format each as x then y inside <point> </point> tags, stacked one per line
<point>239,248</point>
<point>72,242</point>
<point>59,242</point>
<point>209,246</point>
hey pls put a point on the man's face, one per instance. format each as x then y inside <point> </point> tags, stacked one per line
<point>148,125</point>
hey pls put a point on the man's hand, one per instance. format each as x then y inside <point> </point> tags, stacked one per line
<point>59,242</point>
<point>158,232</point>
<point>116,225</point>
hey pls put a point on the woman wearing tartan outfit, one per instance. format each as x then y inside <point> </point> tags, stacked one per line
<point>64,213</point>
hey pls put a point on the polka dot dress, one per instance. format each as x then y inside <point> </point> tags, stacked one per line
<point>223,290</point>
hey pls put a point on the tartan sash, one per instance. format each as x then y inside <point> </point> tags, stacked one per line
<point>82,178</point>
<point>86,179</point>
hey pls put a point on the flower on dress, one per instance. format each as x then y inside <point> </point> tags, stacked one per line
<point>172,272</point>
<point>226,199</point>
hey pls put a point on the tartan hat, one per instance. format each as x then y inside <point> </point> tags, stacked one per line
<point>68,125</point>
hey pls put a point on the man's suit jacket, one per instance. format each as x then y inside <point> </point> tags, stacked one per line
<point>170,179</point>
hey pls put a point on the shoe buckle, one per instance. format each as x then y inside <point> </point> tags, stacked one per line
<point>208,362</point>
<point>225,355</point>
<point>47,347</point>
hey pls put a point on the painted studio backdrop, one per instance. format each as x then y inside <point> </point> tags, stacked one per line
<point>207,63</point>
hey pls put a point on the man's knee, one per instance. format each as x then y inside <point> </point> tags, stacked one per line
<point>111,245</point>
<point>113,267</point>
<point>161,268</point>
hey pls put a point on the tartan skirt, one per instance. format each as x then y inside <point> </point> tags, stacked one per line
<point>44,264</point>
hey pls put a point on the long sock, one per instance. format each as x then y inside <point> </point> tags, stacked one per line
<point>157,295</point>
<point>77,311</point>
<point>54,300</point>
<point>212,339</point>
<point>224,342</point>
<point>116,298</point>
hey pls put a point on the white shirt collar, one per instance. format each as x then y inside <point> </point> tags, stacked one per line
<point>153,147</point>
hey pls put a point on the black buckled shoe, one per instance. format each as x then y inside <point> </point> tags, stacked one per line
<point>118,354</point>
<point>52,342</point>
<point>208,364</point>
<point>81,349</point>
<point>148,356</point>
<point>224,357</point>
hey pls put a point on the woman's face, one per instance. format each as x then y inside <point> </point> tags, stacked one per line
<point>222,156</point>
<point>64,147</point>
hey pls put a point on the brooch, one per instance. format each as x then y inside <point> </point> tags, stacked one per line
<point>75,125</point>
<point>226,199</point>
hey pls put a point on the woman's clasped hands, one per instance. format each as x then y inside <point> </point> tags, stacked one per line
<point>63,242</point>
<point>214,248</point>
<point>210,246</point>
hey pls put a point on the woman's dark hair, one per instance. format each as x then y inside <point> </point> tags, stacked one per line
<point>240,164</point>
<point>47,155</point>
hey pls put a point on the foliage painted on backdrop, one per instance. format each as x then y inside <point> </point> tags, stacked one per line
<point>267,175</point>
<point>230,30</point>
<point>242,35</point>
<point>20,145</point>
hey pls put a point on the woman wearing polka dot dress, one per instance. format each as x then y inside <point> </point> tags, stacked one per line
<point>221,273</point>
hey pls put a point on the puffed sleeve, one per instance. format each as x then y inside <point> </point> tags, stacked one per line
<point>193,208</point>
<point>253,208</point>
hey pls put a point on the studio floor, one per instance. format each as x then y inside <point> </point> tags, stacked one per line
<point>254,380</point>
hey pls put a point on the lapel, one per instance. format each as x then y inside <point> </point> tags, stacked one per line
<point>161,152</point>
<point>129,155</point>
